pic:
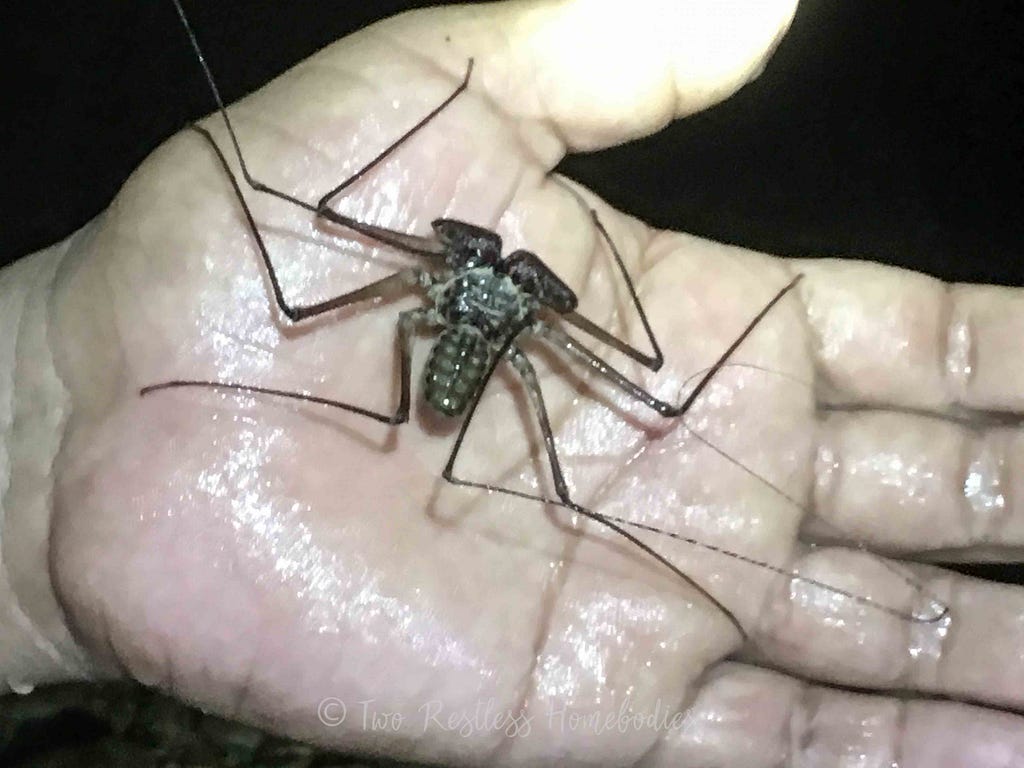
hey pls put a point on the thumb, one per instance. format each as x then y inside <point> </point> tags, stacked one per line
<point>596,71</point>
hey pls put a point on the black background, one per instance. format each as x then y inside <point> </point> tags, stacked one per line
<point>882,130</point>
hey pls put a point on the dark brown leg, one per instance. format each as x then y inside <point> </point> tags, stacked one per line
<point>564,499</point>
<point>407,322</point>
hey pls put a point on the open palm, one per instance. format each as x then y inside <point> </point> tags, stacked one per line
<point>308,570</point>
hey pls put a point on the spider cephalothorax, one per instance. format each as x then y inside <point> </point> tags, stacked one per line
<point>479,301</point>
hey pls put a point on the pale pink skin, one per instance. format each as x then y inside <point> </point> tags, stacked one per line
<point>269,561</point>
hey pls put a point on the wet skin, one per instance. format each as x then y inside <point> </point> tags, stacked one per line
<point>262,558</point>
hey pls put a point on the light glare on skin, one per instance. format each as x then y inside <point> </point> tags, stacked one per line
<point>277,534</point>
<point>598,51</point>
<point>983,491</point>
<point>958,351</point>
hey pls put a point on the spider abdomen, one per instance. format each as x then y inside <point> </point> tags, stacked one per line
<point>457,364</point>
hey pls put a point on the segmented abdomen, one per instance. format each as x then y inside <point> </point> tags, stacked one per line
<point>457,363</point>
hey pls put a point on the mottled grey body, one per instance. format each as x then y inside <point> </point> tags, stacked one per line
<point>477,309</point>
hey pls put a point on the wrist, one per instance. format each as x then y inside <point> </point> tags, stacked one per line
<point>36,645</point>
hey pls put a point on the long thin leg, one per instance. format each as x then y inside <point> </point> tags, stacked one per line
<point>407,323</point>
<point>615,524</point>
<point>563,340</point>
<point>423,246</point>
<point>652,362</point>
<point>404,279</point>
<point>324,201</point>
<point>594,362</point>
<point>564,499</point>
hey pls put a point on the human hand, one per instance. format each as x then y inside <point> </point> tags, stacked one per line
<point>262,559</point>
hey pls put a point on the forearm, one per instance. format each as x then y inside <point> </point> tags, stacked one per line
<point>35,643</point>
